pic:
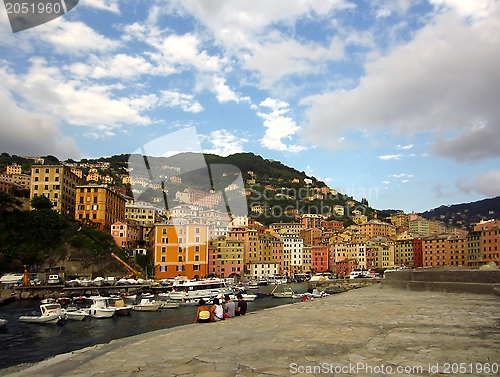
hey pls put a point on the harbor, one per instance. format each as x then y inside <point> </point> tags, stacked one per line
<point>368,331</point>
<point>39,342</point>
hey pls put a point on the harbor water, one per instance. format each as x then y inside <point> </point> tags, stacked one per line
<point>29,343</point>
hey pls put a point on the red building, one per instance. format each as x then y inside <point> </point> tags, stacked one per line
<point>319,258</point>
<point>345,267</point>
<point>417,253</point>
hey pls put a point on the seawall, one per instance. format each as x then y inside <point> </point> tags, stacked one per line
<point>445,280</point>
<point>415,333</point>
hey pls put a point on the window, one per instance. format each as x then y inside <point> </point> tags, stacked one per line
<point>94,216</point>
<point>95,207</point>
<point>36,179</point>
<point>164,240</point>
<point>180,249</point>
<point>36,187</point>
<point>163,259</point>
<point>197,239</point>
<point>197,248</point>
<point>163,249</point>
<point>180,268</point>
<point>47,171</point>
<point>196,258</point>
<point>164,231</point>
<point>95,199</point>
<point>46,187</point>
<point>196,267</point>
<point>197,231</point>
<point>37,170</point>
<point>180,240</point>
<point>163,268</point>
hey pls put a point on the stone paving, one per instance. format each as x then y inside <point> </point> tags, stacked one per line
<point>372,331</point>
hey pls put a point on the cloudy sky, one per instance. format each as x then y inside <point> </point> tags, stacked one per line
<point>397,101</point>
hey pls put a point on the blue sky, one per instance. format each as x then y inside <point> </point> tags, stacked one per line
<point>393,100</point>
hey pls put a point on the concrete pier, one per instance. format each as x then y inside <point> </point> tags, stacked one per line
<point>373,331</point>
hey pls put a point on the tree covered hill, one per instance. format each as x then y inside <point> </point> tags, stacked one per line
<point>465,214</point>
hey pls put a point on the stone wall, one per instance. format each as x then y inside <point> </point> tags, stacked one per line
<point>460,280</point>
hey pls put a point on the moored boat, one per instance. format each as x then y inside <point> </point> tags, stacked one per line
<point>121,308</point>
<point>169,304</point>
<point>207,288</point>
<point>50,314</point>
<point>100,308</point>
<point>75,314</point>
<point>147,305</point>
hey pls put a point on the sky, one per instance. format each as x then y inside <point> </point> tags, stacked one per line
<point>396,101</point>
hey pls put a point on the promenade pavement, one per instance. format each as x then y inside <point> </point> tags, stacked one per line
<point>372,331</point>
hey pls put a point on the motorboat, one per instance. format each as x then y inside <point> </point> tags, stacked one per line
<point>85,282</point>
<point>122,281</point>
<point>147,295</point>
<point>73,283</point>
<point>245,296</point>
<point>131,281</point>
<point>50,314</point>
<point>146,305</point>
<point>3,323</point>
<point>206,288</point>
<point>287,293</point>
<point>100,307</point>
<point>129,296</point>
<point>121,308</point>
<point>75,314</point>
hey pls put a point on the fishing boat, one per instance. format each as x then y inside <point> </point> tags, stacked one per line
<point>146,305</point>
<point>50,314</point>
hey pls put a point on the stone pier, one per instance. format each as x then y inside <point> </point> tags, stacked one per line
<point>372,331</point>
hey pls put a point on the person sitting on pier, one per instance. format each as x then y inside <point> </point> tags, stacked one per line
<point>217,311</point>
<point>242,305</point>
<point>203,314</point>
<point>230,307</point>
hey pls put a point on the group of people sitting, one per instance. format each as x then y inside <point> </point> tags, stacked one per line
<point>218,312</point>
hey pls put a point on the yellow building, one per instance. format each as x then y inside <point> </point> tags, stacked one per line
<point>99,204</point>
<point>77,172</point>
<point>179,250</point>
<point>375,228</point>
<point>93,175</point>
<point>14,169</point>
<point>57,183</point>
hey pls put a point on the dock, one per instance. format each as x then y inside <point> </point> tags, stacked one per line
<point>376,331</point>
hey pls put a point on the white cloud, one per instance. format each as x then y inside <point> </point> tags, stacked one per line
<point>476,8</point>
<point>398,175</point>
<point>185,101</point>
<point>47,90</point>
<point>74,37</point>
<point>386,182</point>
<point>32,133</point>
<point>224,143</point>
<point>109,5</point>
<point>390,157</point>
<point>118,66</point>
<point>405,147</point>
<point>442,82</point>
<point>278,126</point>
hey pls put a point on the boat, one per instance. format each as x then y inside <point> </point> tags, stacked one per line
<point>206,288</point>
<point>122,281</point>
<point>129,296</point>
<point>146,305</point>
<point>73,283</point>
<point>50,314</point>
<point>245,296</point>
<point>110,280</point>
<point>322,277</point>
<point>131,281</point>
<point>3,323</point>
<point>98,281</point>
<point>287,293</point>
<point>121,308</point>
<point>164,304</point>
<point>85,282</point>
<point>100,307</point>
<point>75,314</point>
<point>189,302</point>
<point>147,295</point>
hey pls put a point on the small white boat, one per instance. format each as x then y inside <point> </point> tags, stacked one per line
<point>147,295</point>
<point>75,314</point>
<point>287,293</point>
<point>131,281</point>
<point>122,281</point>
<point>169,304</point>
<point>245,296</point>
<point>129,296</point>
<point>51,313</point>
<point>121,308</point>
<point>85,282</point>
<point>147,306</point>
<point>98,281</point>
<point>3,322</point>
<point>100,308</point>
<point>73,283</point>
<point>110,280</point>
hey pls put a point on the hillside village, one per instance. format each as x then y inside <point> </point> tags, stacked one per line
<point>292,224</point>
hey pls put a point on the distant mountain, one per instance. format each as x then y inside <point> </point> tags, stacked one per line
<point>465,214</point>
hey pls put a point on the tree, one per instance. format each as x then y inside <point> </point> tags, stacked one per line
<point>9,202</point>
<point>41,202</point>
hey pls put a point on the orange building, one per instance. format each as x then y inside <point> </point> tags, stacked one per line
<point>375,227</point>
<point>126,234</point>
<point>490,245</point>
<point>179,250</point>
<point>99,204</point>
<point>319,258</point>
